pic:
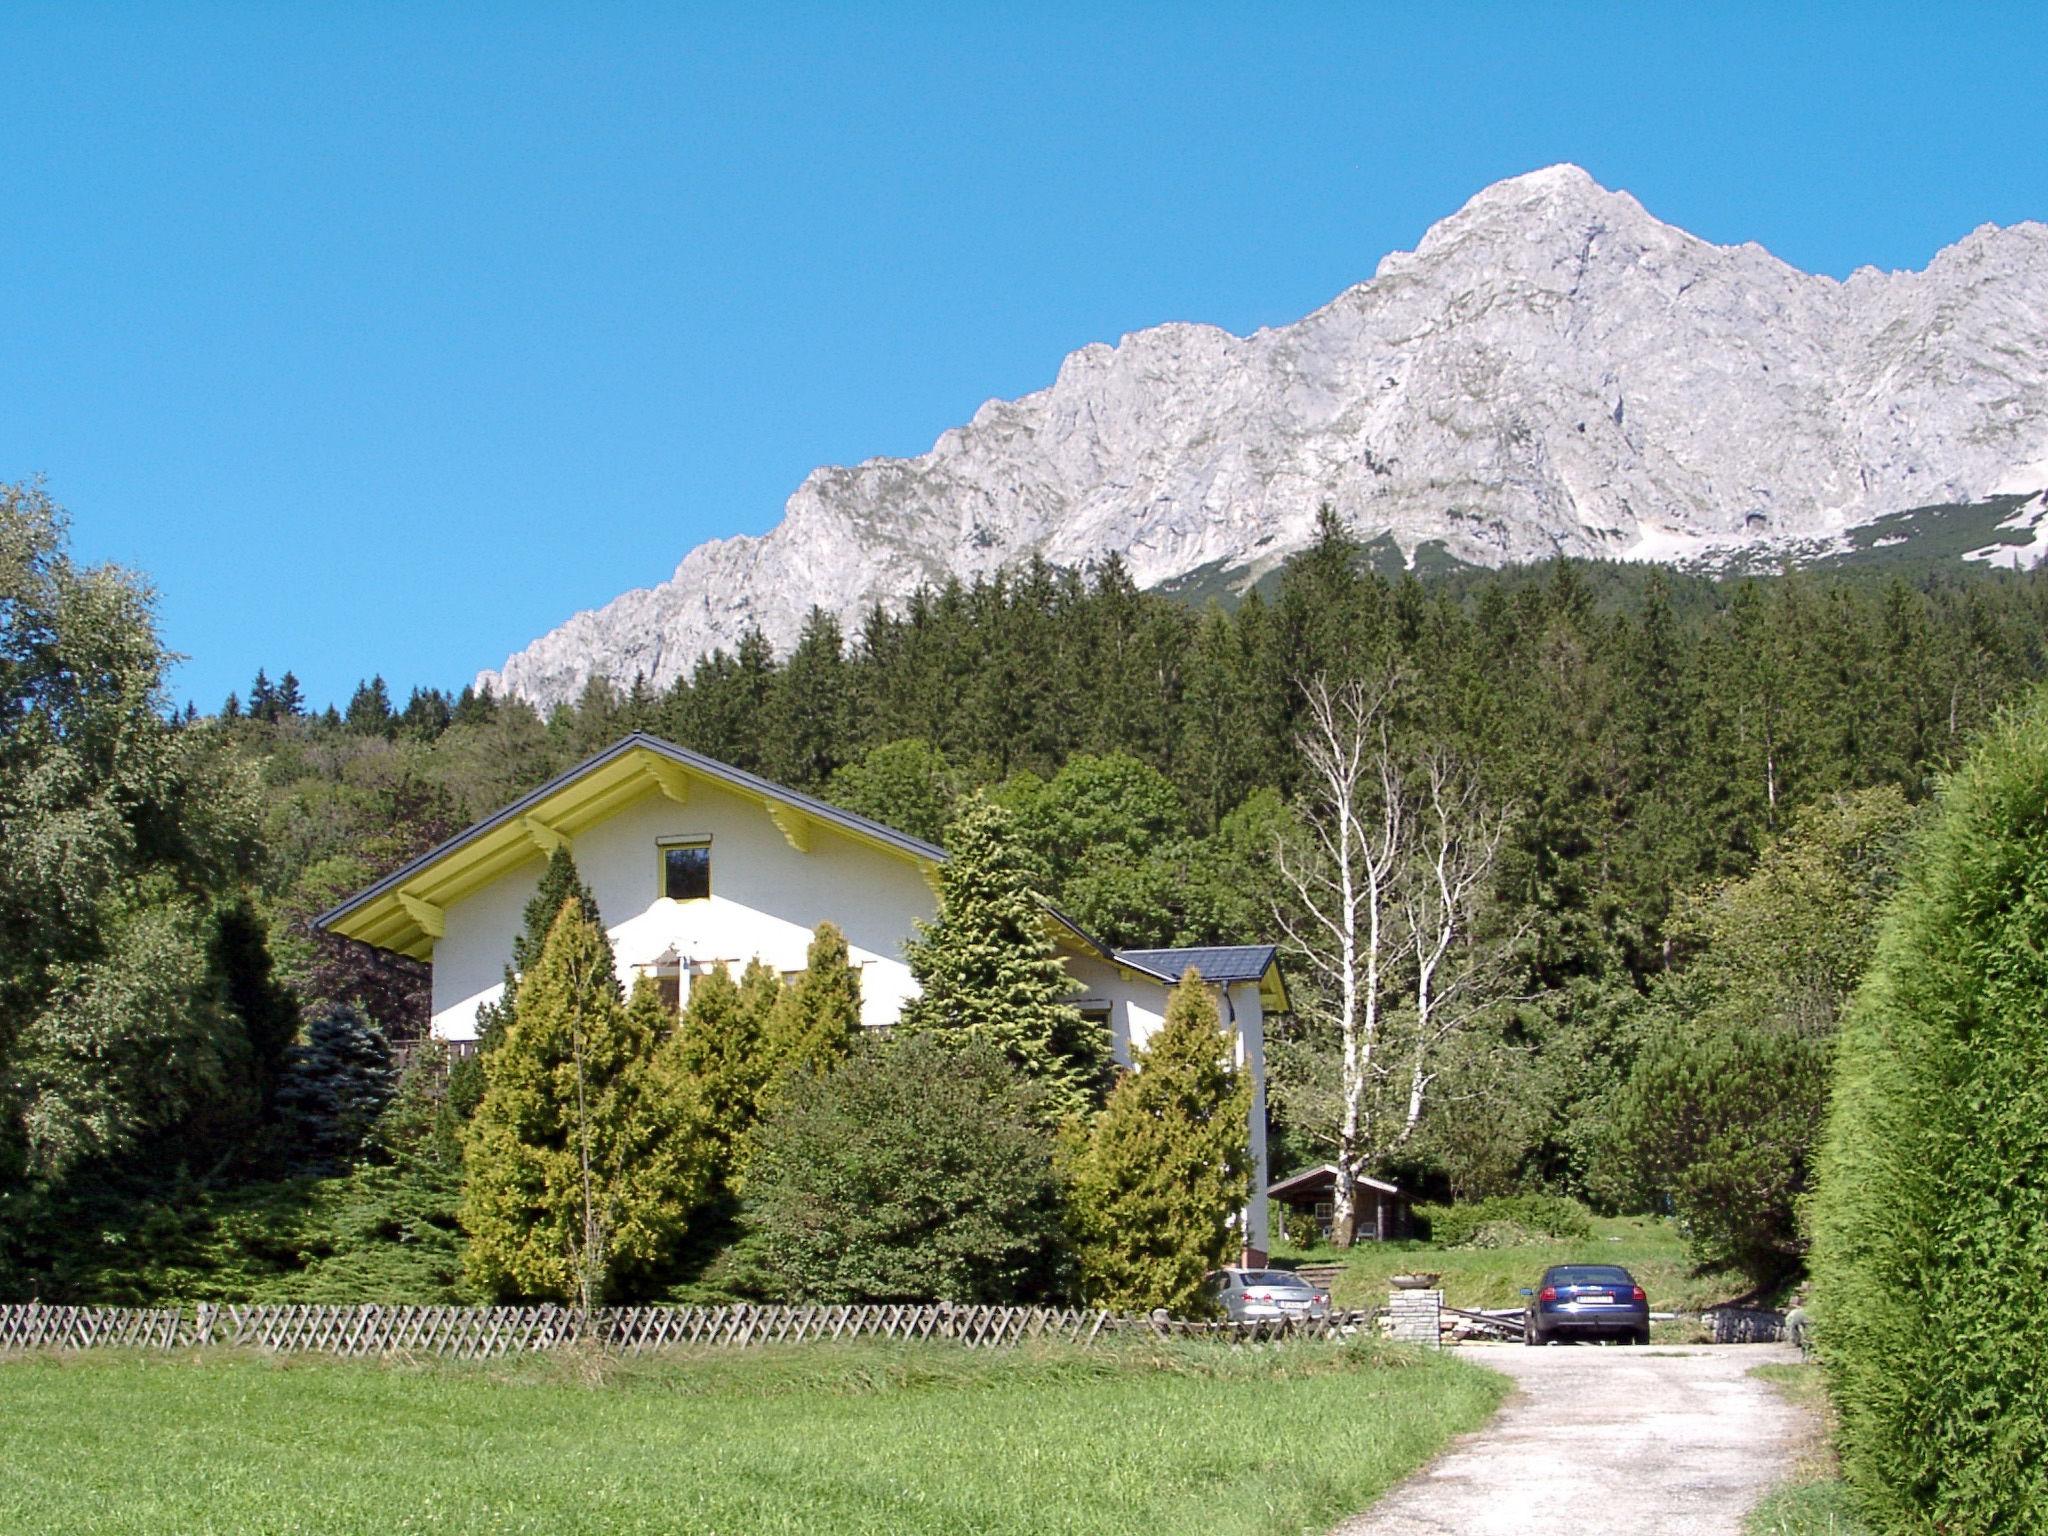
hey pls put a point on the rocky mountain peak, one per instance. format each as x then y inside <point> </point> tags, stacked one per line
<point>1550,369</point>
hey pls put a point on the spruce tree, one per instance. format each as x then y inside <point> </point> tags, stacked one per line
<point>721,1046</point>
<point>987,969</point>
<point>815,1021</point>
<point>335,1086</point>
<point>583,1161</point>
<point>1166,1167</point>
<point>559,882</point>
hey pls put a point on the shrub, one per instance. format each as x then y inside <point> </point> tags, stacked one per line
<point>1931,1216</point>
<point>914,1171</point>
<point>1729,1090</point>
<point>335,1086</point>
<point>1493,1222</point>
<point>1158,1187</point>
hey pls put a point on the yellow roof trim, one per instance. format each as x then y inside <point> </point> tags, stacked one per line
<point>407,913</point>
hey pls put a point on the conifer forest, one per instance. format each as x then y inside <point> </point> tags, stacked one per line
<point>1699,778</point>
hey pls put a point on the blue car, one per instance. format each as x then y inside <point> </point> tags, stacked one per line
<point>1589,1301</point>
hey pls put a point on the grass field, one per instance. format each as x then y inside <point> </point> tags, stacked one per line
<point>1815,1502</point>
<point>850,1439</point>
<point>1649,1247</point>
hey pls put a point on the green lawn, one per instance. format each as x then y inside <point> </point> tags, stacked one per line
<point>899,1439</point>
<point>1649,1247</point>
<point>1815,1502</point>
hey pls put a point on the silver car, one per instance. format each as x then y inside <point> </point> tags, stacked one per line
<point>1266,1295</point>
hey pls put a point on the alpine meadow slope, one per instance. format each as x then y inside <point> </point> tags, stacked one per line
<point>1551,370</point>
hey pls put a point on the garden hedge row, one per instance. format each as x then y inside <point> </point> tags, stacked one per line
<point>1931,1218</point>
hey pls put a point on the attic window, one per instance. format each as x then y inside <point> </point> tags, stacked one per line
<point>685,868</point>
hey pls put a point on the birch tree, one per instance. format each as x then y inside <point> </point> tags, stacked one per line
<point>1340,876</point>
<point>1385,881</point>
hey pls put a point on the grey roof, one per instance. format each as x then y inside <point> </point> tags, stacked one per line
<point>829,814</point>
<point>1215,963</point>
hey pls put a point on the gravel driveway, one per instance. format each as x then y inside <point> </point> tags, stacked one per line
<point>1625,1442</point>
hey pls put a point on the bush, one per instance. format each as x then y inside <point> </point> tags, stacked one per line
<point>1931,1216</point>
<point>1156,1189</point>
<point>1502,1221</point>
<point>335,1086</point>
<point>913,1171</point>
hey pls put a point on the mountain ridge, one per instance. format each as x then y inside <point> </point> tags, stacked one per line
<point>1550,370</point>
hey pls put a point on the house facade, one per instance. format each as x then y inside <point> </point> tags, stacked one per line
<point>694,864</point>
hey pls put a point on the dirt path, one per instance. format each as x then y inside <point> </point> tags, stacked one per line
<point>1625,1442</point>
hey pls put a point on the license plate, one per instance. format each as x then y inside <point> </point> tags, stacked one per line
<point>1598,1301</point>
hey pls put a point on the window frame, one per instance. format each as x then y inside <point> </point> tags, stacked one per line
<point>663,846</point>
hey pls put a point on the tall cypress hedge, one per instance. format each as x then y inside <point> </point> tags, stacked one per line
<point>1931,1218</point>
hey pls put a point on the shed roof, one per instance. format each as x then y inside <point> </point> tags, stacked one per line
<point>1313,1181</point>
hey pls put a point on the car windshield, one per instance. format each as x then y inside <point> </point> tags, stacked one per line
<point>1276,1279</point>
<point>1589,1274</point>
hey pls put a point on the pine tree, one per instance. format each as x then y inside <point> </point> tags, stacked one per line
<point>559,882</point>
<point>334,1087</point>
<point>816,1020</point>
<point>809,723</point>
<point>583,1162</point>
<point>987,969</point>
<point>1166,1168</point>
<point>369,710</point>
<point>721,1046</point>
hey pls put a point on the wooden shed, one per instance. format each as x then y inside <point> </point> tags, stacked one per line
<point>1381,1218</point>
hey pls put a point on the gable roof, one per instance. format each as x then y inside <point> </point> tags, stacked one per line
<point>1218,964</point>
<point>1315,1180</point>
<point>403,911</point>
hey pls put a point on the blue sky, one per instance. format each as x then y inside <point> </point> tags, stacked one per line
<point>384,338</point>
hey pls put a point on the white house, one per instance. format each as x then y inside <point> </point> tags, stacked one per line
<point>694,863</point>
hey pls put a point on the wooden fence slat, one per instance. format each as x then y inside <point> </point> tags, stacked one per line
<point>487,1333</point>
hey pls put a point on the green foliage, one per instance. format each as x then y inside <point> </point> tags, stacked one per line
<point>1658,730</point>
<point>721,1045</point>
<point>1505,1221</point>
<point>378,1233</point>
<point>988,972</point>
<point>916,1170</point>
<point>1931,1217</point>
<point>816,1019</point>
<point>335,1086</point>
<point>119,834</point>
<point>1723,1109</point>
<point>904,784</point>
<point>1156,1190</point>
<point>582,1165</point>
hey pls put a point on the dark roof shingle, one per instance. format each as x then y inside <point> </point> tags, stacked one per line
<point>1214,963</point>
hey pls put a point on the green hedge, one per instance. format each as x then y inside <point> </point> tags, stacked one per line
<point>1499,1220</point>
<point>1931,1219</point>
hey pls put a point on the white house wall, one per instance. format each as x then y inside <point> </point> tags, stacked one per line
<point>1136,1005</point>
<point>766,900</point>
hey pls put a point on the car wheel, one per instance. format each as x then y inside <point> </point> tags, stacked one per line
<point>1529,1334</point>
<point>1640,1336</point>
